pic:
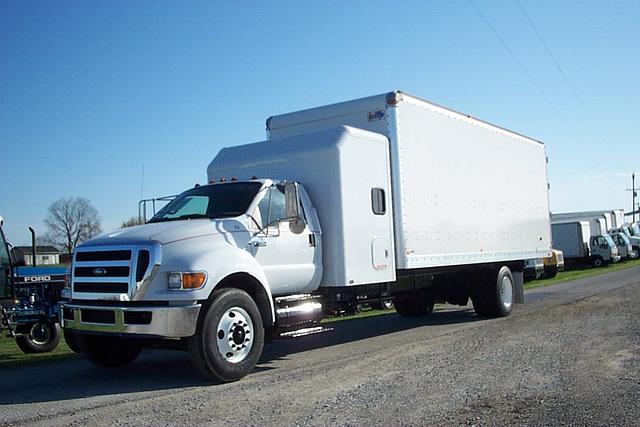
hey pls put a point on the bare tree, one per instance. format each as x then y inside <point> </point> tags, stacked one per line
<point>132,222</point>
<point>71,221</point>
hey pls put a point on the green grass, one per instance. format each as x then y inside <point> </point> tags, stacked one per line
<point>11,355</point>
<point>565,276</point>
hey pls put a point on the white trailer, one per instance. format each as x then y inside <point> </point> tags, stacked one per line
<point>344,204</point>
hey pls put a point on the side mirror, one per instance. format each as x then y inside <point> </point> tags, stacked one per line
<point>296,223</point>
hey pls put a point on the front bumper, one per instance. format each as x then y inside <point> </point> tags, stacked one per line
<point>165,322</point>
<point>616,258</point>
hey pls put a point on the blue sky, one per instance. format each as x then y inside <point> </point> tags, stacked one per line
<point>90,92</point>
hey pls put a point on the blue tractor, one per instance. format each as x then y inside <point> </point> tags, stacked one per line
<point>29,302</point>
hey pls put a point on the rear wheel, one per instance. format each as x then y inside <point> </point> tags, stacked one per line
<point>229,337</point>
<point>412,305</point>
<point>550,272</point>
<point>108,351</point>
<point>42,337</point>
<point>386,304</point>
<point>495,297</point>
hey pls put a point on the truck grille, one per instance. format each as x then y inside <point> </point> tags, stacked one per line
<point>109,270</point>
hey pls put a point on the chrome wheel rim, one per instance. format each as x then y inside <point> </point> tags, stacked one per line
<point>506,292</point>
<point>40,333</point>
<point>234,335</point>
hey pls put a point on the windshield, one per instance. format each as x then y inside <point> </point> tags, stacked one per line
<point>210,201</point>
<point>624,238</point>
<point>609,240</point>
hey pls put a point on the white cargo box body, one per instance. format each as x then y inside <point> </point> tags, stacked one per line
<point>572,238</point>
<point>357,245</point>
<point>464,191</point>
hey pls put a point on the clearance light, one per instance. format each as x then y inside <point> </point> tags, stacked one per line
<point>234,178</point>
<point>213,181</point>
<point>223,179</point>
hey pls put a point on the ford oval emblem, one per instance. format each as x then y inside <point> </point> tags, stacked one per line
<point>99,271</point>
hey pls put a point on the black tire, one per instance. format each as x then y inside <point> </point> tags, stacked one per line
<point>229,323</point>
<point>106,351</point>
<point>71,339</point>
<point>386,304</point>
<point>494,298</point>
<point>42,337</point>
<point>598,261</point>
<point>413,305</point>
<point>550,272</point>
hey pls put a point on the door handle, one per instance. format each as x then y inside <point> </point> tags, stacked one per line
<point>259,243</point>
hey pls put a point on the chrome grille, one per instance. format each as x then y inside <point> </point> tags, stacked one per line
<point>112,270</point>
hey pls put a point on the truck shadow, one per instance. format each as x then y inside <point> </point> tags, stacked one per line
<point>165,370</point>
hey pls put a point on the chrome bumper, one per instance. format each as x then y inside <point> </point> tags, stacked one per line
<point>167,322</point>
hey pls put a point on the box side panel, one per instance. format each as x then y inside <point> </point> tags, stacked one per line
<point>471,193</point>
<point>568,238</point>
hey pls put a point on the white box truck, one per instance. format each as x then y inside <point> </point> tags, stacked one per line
<point>602,222</point>
<point>578,244</point>
<point>344,204</point>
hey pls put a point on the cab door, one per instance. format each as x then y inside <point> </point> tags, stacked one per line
<point>287,258</point>
<point>5,269</point>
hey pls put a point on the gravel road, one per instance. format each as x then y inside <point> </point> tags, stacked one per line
<point>570,356</point>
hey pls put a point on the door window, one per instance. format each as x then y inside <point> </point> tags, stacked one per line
<point>272,207</point>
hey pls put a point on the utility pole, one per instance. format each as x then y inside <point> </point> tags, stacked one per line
<point>634,194</point>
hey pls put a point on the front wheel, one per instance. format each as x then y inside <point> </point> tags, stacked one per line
<point>108,352</point>
<point>42,337</point>
<point>550,272</point>
<point>598,262</point>
<point>229,337</point>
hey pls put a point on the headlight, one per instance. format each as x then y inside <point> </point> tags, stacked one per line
<point>186,280</point>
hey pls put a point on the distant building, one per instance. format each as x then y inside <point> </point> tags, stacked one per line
<point>45,255</point>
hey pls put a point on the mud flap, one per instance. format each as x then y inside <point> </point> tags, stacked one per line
<point>518,287</point>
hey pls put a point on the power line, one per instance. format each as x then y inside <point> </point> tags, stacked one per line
<point>559,115</point>
<point>563,74</point>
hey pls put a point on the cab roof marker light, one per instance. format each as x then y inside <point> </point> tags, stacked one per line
<point>394,98</point>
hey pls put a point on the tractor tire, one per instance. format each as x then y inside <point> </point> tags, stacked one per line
<point>42,337</point>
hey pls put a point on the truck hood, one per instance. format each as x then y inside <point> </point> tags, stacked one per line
<point>167,232</point>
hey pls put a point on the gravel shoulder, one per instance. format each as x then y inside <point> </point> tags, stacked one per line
<point>571,356</point>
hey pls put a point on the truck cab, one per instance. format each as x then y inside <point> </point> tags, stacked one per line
<point>261,236</point>
<point>603,250</point>
<point>632,233</point>
<point>624,245</point>
<point>6,270</point>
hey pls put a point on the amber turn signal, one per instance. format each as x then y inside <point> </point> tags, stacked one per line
<point>193,280</point>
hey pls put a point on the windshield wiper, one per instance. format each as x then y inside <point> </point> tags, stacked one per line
<point>179,218</point>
